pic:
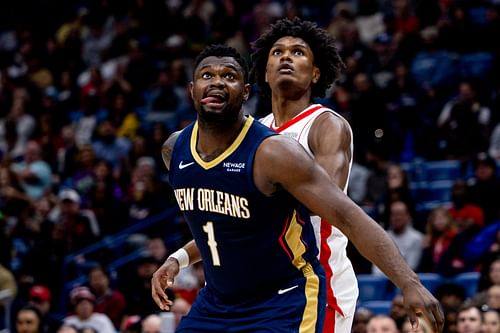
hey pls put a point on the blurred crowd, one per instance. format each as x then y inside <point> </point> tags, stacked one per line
<point>90,89</point>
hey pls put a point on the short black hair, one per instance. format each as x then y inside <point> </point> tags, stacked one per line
<point>322,44</point>
<point>221,50</point>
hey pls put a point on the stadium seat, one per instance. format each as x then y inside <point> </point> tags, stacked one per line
<point>431,280</point>
<point>439,190</point>
<point>372,287</point>
<point>469,281</point>
<point>377,307</point>
<point>442,170</point>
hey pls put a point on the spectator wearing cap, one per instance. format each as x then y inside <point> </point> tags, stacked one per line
<point>83,302</point>
<point>484,190</point>
<point>382,66</point>
<point>79,225</point>
<point>40,297</point>
<point>108,301</point>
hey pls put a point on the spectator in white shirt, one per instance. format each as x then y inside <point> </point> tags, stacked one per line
<point>84,316</point>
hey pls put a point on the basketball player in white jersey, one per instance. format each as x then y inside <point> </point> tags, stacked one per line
<point>293,63</point>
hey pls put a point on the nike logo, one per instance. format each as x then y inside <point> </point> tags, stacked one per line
<point>182,166</point>
<point>283,291</point>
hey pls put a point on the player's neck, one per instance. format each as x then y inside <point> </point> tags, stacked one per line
<point>285,109</point>
<point>214,138</point>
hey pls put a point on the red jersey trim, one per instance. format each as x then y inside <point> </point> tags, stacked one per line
<point>296,119</point>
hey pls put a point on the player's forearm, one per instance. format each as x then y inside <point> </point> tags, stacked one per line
<point>193,252</point>
<point>374,244</point>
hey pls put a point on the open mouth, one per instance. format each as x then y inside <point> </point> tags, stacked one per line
<point>285,69</point>
<point>215,101</point>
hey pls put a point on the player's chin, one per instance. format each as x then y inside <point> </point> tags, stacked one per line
<point>214,107</point>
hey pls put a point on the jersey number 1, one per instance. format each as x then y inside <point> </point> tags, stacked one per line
<point>212,244</point>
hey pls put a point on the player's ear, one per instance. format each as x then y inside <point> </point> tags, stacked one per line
<point>316,75</point>
<point>191,88</point>
<point>246,92</point>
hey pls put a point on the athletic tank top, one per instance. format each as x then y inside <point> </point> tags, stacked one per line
<point>250,244</point>
<point>342,289</point>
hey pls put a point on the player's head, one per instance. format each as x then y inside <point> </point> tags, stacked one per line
<point>219,85</point>
<point>221,50</point>
<point>325,54</point>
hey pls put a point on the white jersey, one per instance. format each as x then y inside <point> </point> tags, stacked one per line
<point>331,241</point>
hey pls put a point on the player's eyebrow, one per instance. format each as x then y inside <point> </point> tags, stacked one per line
<point>231,66</point>
<point>296,45</point>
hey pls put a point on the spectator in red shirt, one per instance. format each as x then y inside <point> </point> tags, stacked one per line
<point>462,208</point>
<point>440,231</point>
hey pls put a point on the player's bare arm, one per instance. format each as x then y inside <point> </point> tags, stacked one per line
<point>330,142</point>
<point>168,147</point>
<point>293,170</point>
<point>164,277</point>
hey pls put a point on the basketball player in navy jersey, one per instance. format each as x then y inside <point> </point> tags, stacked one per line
<point>243,173</point>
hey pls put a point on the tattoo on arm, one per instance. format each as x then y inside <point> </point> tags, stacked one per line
<point>168,148</point>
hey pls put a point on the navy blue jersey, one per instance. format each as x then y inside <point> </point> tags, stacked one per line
<point>251,244</point>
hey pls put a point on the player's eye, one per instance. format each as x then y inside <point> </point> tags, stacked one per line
<point>298,52</point>
<point>276,52</point>
<point>206,76</point>
<point>229,76</point>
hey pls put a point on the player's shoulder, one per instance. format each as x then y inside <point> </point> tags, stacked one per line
<point>168,147</point>
<point>324,112</point>
<point>172,139</point>
<point>328,120</point>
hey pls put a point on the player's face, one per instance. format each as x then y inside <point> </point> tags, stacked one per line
<point>290,65</point>
<point>218,87</point>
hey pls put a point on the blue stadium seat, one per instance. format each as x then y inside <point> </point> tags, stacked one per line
<point>442,170</point>
<point>439,190</point>
<point>377,307</point>
<point>431,280</point>
<point>469,281</point>
<point>371,287</point>
<point>476,64</point>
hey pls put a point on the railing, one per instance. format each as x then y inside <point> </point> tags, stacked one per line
<point>109,242</point>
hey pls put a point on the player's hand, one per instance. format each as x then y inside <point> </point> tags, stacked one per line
<point>419,302</point>
<point>162,279</point>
